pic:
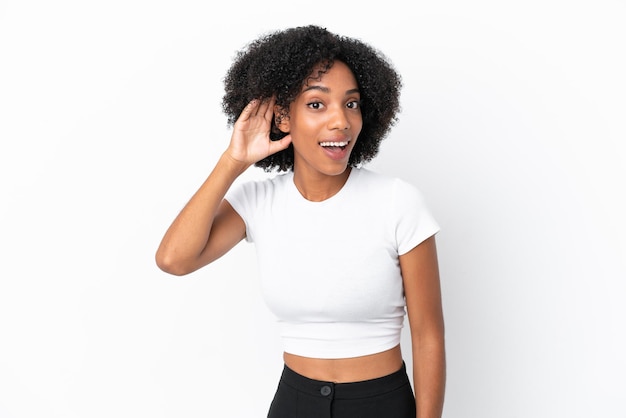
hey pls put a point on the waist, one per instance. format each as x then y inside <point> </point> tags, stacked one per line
<point>334,340</point>
<point>344,370</point>
<point>349,390</point>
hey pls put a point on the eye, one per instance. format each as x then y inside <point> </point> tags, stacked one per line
<point>315,105</point>
<point>354,104</point>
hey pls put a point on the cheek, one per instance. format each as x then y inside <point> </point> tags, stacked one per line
<point>356,119</point>
<point>357,125</point>
<point>303,127</point>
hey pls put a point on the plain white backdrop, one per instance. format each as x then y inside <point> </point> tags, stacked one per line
<point>110,118</point>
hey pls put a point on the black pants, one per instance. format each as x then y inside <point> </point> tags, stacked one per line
<point>385,397</point>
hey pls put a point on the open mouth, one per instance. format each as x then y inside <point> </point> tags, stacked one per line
<point>334,145</point>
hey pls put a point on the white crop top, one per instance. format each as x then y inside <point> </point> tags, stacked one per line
<point>329,270</point>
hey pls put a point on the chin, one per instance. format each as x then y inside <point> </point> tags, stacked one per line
<point>336,170</point>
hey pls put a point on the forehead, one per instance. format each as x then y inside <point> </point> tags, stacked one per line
<point>337,73</point>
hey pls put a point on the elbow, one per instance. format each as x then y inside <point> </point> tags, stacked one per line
<point>171,265</point>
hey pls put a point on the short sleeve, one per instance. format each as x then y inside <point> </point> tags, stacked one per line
<point>414,221</point>
<point>242,197</point>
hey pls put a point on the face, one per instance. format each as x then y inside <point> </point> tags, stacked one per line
<point>324,122</point>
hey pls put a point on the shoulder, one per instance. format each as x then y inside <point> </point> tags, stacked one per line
<point>261,187</point>
<point>384,184</point>
<point>251,198</point>
<point>399,197</point>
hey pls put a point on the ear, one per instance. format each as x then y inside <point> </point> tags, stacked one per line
<point>281,119</point>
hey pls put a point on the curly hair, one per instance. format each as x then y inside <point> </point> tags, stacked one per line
<point>279,63</point>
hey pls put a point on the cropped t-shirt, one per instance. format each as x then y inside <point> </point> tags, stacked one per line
<point>330,270</point>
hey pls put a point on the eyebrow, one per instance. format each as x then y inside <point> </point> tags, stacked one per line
<point>327,90</point>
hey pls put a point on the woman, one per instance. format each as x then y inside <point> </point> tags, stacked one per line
<point>342,251</point>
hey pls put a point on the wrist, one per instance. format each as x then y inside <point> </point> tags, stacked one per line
<point>233,164</point>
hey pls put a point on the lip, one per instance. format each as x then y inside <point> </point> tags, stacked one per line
<point>338,138</point>
<point>337,153</point>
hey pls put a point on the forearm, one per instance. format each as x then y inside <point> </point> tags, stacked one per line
<point>188,235</point>
<point>429,376</point>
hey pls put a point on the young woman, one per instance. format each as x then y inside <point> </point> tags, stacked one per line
<point>344,252</point>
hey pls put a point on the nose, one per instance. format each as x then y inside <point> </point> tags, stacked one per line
<point>338,119</point>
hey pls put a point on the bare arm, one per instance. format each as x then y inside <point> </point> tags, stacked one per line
<point>420,274</point>
<point>208,227</point>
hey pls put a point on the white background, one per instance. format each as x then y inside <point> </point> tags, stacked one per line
<point>110,118</point>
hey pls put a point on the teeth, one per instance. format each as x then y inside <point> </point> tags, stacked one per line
<point>334,144</point>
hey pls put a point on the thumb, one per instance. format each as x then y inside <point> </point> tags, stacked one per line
<point>280,144</point>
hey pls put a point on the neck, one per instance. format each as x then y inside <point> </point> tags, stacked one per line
<point>319,187</point>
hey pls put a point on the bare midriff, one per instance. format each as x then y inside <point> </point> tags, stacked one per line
<point>353,369</point>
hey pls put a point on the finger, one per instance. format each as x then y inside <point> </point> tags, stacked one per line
<point>269,111</point>
<point>263,106</point>
<point>249,110</point>
<point>280,144</point>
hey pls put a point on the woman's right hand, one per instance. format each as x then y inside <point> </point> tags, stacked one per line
<point>208,226</point>
<point>250,141</point>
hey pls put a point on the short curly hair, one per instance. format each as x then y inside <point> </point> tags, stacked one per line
<point>279,63</point>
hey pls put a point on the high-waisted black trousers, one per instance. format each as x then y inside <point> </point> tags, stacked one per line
<point>385,397</point>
